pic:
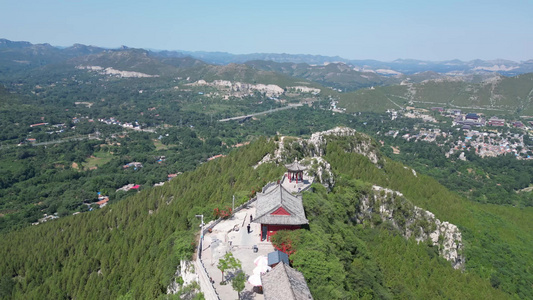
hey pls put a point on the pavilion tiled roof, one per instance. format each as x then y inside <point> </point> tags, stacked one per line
<point>275,198</point>
<point>285,283</point>
<point>295,166</point>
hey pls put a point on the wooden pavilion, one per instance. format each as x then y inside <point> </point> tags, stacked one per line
<point>278,209</point>
<point>285,283</point>
<point>295,171</point>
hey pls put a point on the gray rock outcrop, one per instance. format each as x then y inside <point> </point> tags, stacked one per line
<point>385,205</point>
<point>185,276</point>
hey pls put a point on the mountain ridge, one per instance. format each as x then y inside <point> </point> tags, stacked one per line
<point>406,66</point>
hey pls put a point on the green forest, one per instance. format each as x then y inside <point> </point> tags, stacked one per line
<point>70,136</point>
<point>344,260</point>
<point>131,248</point>
<point>62,172</point>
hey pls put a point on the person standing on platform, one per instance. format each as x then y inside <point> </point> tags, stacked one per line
<point>251,218</point>
<point>248,227</point>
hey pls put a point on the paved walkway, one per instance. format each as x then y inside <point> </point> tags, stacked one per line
<point>231,235</point>
<point>294,187</point>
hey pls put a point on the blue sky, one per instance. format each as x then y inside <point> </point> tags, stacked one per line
<point>382,30</point>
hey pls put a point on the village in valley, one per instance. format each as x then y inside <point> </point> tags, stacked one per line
<point>453,129</point>
<point>486,136</point>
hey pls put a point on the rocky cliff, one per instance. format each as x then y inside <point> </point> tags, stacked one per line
<point>361,143</point>
<point>309,152</point>
<point>381,204</point>
<point>239,89</point>
<point>185,281</point>
<point>385,205</point>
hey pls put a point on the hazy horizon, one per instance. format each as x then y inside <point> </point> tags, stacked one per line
<point>279,53</point>
<point>377,30</point>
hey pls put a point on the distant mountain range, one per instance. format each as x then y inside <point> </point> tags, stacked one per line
<point>22,59</point>
<point>358,85</point>
<point>25,53</point>
<point>405,66</point>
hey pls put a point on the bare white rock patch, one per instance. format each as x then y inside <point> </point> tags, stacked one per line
<point>111,71</point>
<point>187,275</point>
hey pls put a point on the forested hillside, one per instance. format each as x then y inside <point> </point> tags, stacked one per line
<point>84,122</point>
<point>500,95</point>
<point>342,259</point>
<point>133,246</point>
<point>497,239</point>
<point>335,75</point>
<point>59,168</point>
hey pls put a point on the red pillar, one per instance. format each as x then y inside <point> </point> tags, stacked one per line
<point>297,177</point>
<point>289,175</point>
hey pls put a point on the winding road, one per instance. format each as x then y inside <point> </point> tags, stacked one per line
<point>263,112</point>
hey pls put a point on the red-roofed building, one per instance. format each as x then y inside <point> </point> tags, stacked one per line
<point>277,209</point>
<point>518,124</point>
<point>494,121</point>
<point>103,202</point>
<point>128,187</point>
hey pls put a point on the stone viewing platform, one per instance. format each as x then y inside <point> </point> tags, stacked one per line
<point>297,187</point>
<point>231,235</point>
<point>246,239</point>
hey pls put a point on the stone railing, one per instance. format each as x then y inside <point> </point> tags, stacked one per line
<point>210,293</point>
<point>245,204</point>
